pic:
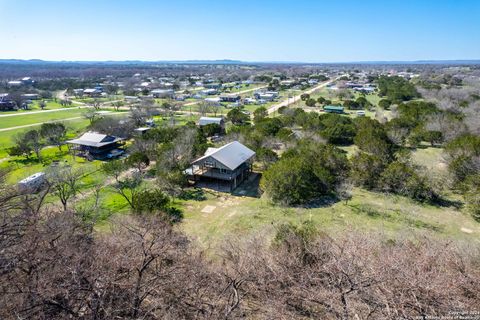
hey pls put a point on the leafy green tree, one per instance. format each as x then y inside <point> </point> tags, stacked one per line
<point>351,105</point>
<point>305,173</point>
<point>26,143</point>
<point>321,101</point>
<point>310,102</point>
<point>304,96</point>
<point>150,201</point>
<point>211,129</point>
<point>463,157</point>
<point>384,104</point>
<point>433,137</point>
<point>372,138</point>
<point>285,134</point>
<point>266,157</point>
<point>259,114</point>
<point>366,169</point>
<point>288,182</point>
<point>400,178</point>
<point>137,160</point>
<point>237,117</point>
<point>396,89</point>
<point>54,133</point>
<point>269,126</point>
<point>336,129</point>
<point>363,103</point>
<point>472,195</point>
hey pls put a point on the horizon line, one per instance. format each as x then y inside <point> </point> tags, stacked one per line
<point>233,61</point>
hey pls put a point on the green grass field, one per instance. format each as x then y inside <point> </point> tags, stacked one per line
<point>74,127</point>
<point>367,211</point>
<point>26,119</point>
<point>50,105</point>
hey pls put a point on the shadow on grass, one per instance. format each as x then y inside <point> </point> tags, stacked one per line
<point>25,161</point>
<point>322,202</point>
<point>446,203</point>
<point>196,194</point>
<point>249,187</point>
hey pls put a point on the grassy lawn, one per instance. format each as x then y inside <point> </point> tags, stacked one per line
<point>74,127</point>
<point>50,105</point>
<point>367,211</point>
<point>21,167</point>
<point>26,119</point>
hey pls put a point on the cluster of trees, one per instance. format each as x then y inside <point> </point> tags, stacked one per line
<point>396,89</point>
<point>311,102</point>
<point>380,164</point>
<point>463,155</point>
<point>360,103</point>
<point>32,141</point>
<point>305,173</point>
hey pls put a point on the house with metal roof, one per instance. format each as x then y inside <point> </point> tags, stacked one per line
<point>333,109</point>
<point>230,165</point>
<point>92,145</point>
<point>203,121</point>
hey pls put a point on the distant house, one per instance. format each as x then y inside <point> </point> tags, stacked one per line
<point>6,104</point>
<point>92,92</point>
<point>212,85</point>
<point>209,120</point>
<point>209,92</point>
<point>213,101</point>
<point>30,96</point>
<point>78,92</point>
<point>92,145</point>
<point>163,93</point>
<point>333,109</point>
<point>264,96</point>
<point>273,93</point>
<point>249,101</point>
<point>15,83</point>
<point>27,81</point>
<point>230,165</point>
<point>230,98</point>
<point>132,99</point>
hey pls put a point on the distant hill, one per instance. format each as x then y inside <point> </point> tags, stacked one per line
<point>236,62</point>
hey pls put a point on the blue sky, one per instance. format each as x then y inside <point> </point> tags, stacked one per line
<point>261,30</point>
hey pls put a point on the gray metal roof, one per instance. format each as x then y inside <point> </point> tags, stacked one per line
<point>208,120</point>
<point>230,155</point>
<point>93,139</point>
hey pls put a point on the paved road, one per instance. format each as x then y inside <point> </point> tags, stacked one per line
<point>290,101</point>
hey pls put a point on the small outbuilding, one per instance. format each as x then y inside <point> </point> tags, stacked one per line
<point>203,121</point>
<point>333,109</point>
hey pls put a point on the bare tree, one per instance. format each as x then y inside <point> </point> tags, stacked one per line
<point>64,182</point>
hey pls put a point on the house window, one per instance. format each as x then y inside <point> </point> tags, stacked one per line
<point>209,164</point>
<point>224,171</point>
